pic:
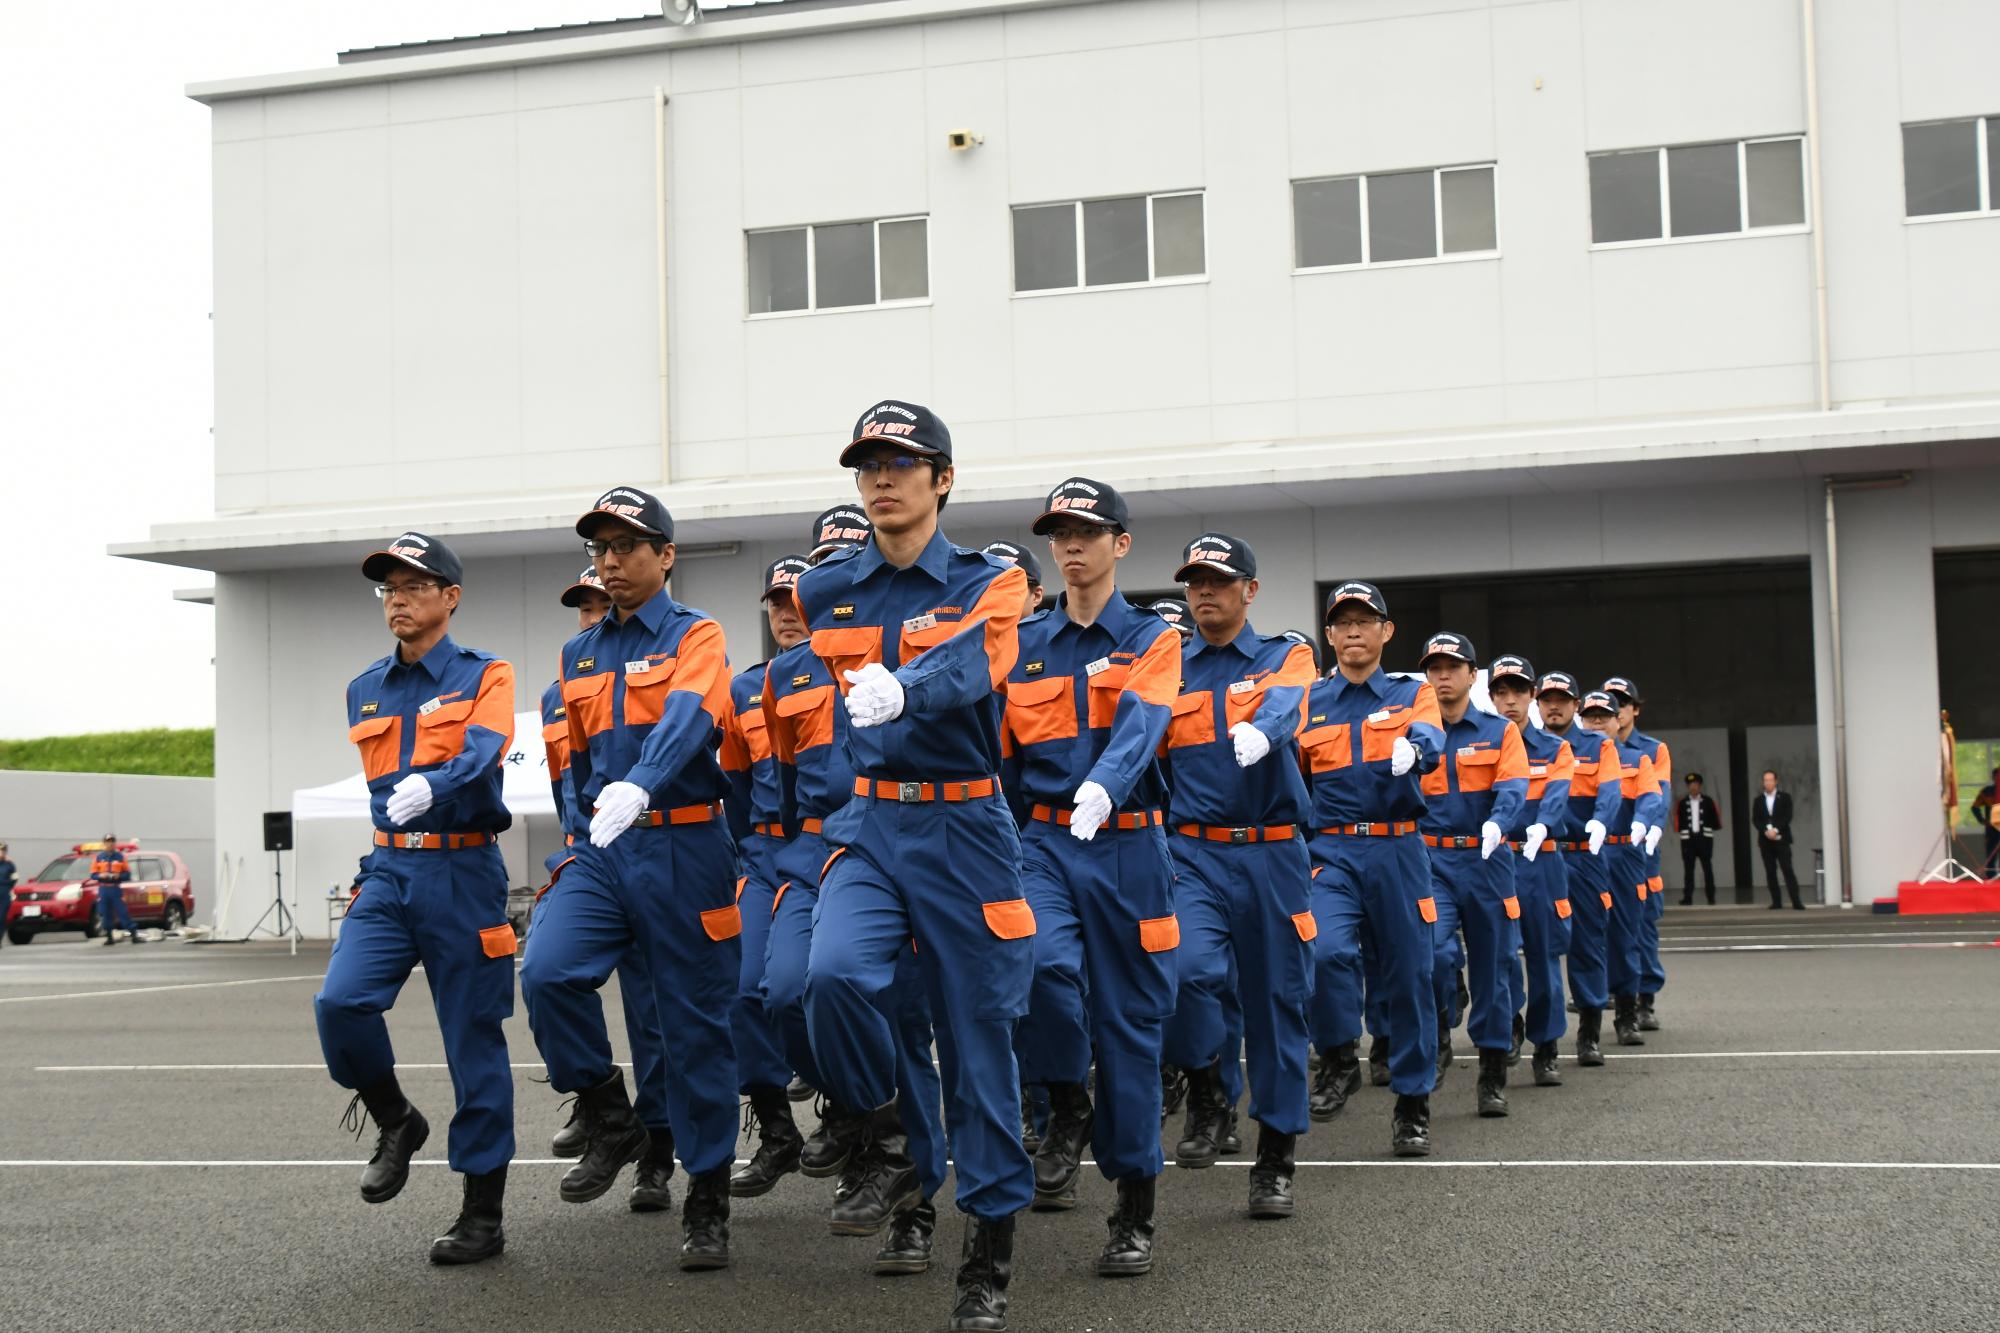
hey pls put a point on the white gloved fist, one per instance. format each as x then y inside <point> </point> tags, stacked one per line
<point>617,806</point>
<point>409,798</point>
<point>1093,807</point>
<point>1638,832</point>
<point>1653,835</point>
<point>1537,835</point>
<point>1597,833</point>
<point>1402,756</point>
<point>876,696</point>
<point>1251,744</point>
<point>1489,838</point>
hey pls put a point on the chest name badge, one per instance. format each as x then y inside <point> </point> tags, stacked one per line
<point>1098,667</point>
<point>756,701</point>
<point>1537,770</point>
<point>917,623</point>
<point>638,668</point>
<point>426,709</point>
<point>586,663</point>
<point>1242,686</point>
<point>801,681</point>
<point>371,708</point>
<point>1465,750</point>
<point>1379,715</point>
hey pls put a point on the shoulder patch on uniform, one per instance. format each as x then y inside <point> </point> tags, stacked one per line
<point>560,711</point>
<point>845,611</point>
<point>800,681</point>
<point>756,701</point>
<point>1315,719</point>
<point>372,707</point>
<point>586,664</point>
<point>1032,669</point>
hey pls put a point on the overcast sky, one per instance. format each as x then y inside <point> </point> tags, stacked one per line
<point>106,383</point>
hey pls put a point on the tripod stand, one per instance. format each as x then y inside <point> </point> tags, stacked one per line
<point>286,924</point>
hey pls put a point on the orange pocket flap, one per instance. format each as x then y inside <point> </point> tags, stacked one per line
<point>1428,908</point>
<point>1027,693</point>
<point>1562,908</point>
<point>1159,934</point>
<point>1307,926</point>
<point>497,941</point>
<point>1513,906</point>
<point>779,896</point>
<point>1642,891</point>
<point>1316,870</point>
<point>372,726</point>
<point>554,875</point>
<point>1606,896</point>
<point>1010,920</point>
<point>741,880</point>
<point>839,852</point>
<point>724,923</point>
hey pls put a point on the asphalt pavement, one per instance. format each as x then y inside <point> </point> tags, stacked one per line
<point>1810,1142</point>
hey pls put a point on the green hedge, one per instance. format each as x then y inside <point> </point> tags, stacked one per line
<point>160,752</point>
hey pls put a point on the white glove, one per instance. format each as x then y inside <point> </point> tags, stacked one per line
<point>409,798</point>
<point>1251,744</point>
<point>1489,838</point>
<point>1638,832</point>
<point>877,696</point>
<point>1537,835</point>
<point>1402,756</point>
<point>1597,833</point>
<point>617,806</point>
<point>1093,807</point>
<point>1653,839</point>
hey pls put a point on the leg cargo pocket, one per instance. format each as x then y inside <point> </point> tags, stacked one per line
<point>1010,920</point>
<point>1428,909</point>
<point>1307,926</point>
<point>497,941</point>
<point>1513,906</point>
<point>723,923</point>
<point>1159,934</point>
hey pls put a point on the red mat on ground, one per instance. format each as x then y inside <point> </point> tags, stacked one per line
<point>1936,899</point>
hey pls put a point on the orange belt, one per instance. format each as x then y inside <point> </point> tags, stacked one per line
<point>431,842</point>
<point>811,825</point>
<point>768,830</point>
<point>1620,841</point>
<point>1216,833</point>
<point>1395,830</point>
<point>1432,840</point>
<point>686,814</point>
<point>914,792</point>
<point>1583,846</point>
<point>1134,819</point>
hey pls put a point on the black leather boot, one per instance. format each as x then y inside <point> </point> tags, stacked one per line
<point>1207,1110</point>
<point>1338,1078</point>
<point>1625,1021</point>
<point>613,1137</point>
<point>1516,1037</point>
<point>1031,1138</point>
<point>779,1144</point>
<point>1378,1062</point>
<point>705,1222</point>
<point>1173,1090</point>
<point>568,1141</point>
<point>906,1248</point>
<point>400,1130</point>
<point>1228,1142</point>
<point>1462,1000</point>
<point>1128,1250</point>
<point>888,1180</point>
<point>1444,1049</point>
<point>1648,1020</point>
<point>650,1191</point>
<point>1547,1075</point>
<point>476,1234</point>
<point>798,1090</point>
<point>1589,1029</point>
<point>985,1266</point>
<point>828,1148</point>
<point>1410,1127</point>
<point>1061,1157</point>
<point>1492,1083</point>
<point>1271,1176</point>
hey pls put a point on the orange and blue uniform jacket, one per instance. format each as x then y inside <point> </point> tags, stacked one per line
<point>1640,796</point>
<point>109,867</point>
<point>1594,784</point>
<point>1551,770</point>
<point>555,744</point>
<point>1090,703</point>
<point>745,757</point>
<point>812,775</point>
<point>448,716</point>
<point>1257,678</point>
<point>1484,777</point>
<point>646,696</point>
<point>1350,731</point>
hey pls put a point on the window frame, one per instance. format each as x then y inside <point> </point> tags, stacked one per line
<point>1437,220</point>
<point>1744,229</point>
<point>812,306</point>
<point>1982,127</point>
<point>1082,263</point>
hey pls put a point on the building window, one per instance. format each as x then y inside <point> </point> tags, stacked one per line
<point>1950,167</point>
<point>1394,217</point>
<point>1703,189</point>
<point>838,266</point>
<point>1123,242</point>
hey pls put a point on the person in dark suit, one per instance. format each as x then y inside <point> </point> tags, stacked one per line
<point>1696,819</point>
<point>1771,816</point>
<point>1982,815</point>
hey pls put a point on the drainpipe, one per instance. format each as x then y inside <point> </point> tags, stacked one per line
<point>660,248</point>
<point>1818,218</point>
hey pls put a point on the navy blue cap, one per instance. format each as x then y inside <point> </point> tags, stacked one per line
<point>1176,613</point>
<point>1082,498</point>
<point>1557,682</point>
<point>1597,701</point>
<point>586,583</point>
<point>1016,555</point>
<point>913,429</point>
<point>1623,688</point>
<point>1511,666</point>
<point>1300,636</point>
<point>413,550</point>
<point>782,575</point>
<point>841,526</point>
<point>1446,644</point>
<point>1219,554</point>
<point>638,510</point>
<point>1354,590</point>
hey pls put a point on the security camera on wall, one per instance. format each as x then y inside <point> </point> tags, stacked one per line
<point>960,140</point>
<point>683,12</point>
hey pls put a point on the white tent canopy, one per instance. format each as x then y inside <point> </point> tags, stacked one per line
<point>524,785</point>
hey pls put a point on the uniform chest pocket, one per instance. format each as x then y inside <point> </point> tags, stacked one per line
<point>1380,734</point>
<point>1477,769</point>
<point>1240,704</point>
<point>846,648</point>
<point>646,692</point>
<point>1104,690</point>
<point>1041,710</point>
<point>1193,722</point>
<point>587,699</point>
<point>440,734</point>
<point>809,713</point>
<point>755,736</point>
<point>380,740</point>
<point>915,641</point>
<point>1328,747</point>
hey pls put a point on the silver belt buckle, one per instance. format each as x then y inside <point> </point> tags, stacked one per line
<point>413,841</point>
<point>910,792</point>
<point>1239,835</point>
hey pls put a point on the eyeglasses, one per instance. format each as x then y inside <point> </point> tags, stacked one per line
<point>616,546</point>
<point>1064,535</point>
<point>408,591</point>
<point>1355,622</point>
<point>900,465</point>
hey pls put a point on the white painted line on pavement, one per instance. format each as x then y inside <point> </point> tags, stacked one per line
<point>1977,932</point>
<point>154,990</point>
<point>1813,948</point>
<point>1765,1055</point>
<point>1635,1163</point>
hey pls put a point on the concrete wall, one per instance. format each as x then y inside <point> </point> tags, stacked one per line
<point>43,815</point>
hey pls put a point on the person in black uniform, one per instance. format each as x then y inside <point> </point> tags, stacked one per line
<point>6,887</point>
<point>1696,819</point>
<point>1771,816</point>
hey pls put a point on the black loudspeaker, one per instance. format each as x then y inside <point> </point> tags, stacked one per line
<point>277,830</point>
